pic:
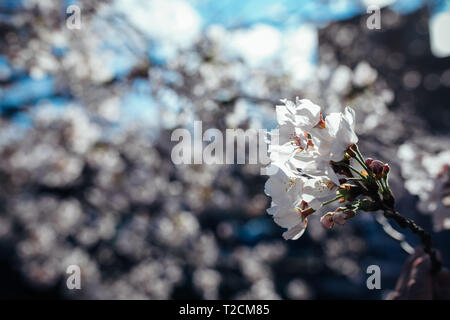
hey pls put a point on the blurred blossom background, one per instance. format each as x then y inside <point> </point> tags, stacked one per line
<point>86,176</point>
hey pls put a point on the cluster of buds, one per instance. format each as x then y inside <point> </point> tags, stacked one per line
<point>362,181</point>
<point>339,217</point>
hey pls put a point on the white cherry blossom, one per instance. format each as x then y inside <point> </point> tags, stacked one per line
<point>306,143</point>
<point>303,113</point>
<point>309,142</point>
<point>295,197</point>
<point>341,128</point>
<point>286,191</point>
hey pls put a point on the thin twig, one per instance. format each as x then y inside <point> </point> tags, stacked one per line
<point>424,236</point>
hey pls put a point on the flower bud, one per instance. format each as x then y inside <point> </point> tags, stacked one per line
<point>376,166</point>
<point>340,218</point>
<point>350,214</point>
<point>327,220</point>
<point>386,169</point>
<point>368,161</point>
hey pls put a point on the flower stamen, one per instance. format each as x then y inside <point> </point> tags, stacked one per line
<point>321,123</point>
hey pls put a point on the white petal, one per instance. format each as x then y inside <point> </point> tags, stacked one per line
<point>281,153</point>
<point>273,209</point>
<point>307,114</point>
<point>283,115</point>
<point>320,187</point>
<point>295,232</point>
<point>332,123</point>
<point>283,188</point>
<point>332,175</point>
<point>287,217</point>
<point>340,126</point>
<point>349,115</point>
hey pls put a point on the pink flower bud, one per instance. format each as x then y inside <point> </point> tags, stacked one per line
<point>350,214</point>
<point>368,161</point>
<point>327,220</point>
<point>340,218</point>
<point>376,166</point>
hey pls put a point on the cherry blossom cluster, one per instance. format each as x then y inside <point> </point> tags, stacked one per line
<point>316,163</point>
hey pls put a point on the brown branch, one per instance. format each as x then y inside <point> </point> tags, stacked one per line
<point>424,236</point>
<point>388,206</point>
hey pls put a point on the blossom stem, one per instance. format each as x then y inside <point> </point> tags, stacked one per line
<point>353,179</point>
<point>380,185</point>
<point>360,160</point>
<point>383,186</point>
<point>331,201</point>
<point>359,157</point>
<point>353,169</point>
<point>386,182</point>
